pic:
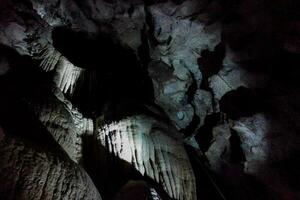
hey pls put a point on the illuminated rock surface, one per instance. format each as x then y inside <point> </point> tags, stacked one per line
<point>152,149</point>
<point>31,173</point>
<point>193,98</point>
<point>64,122</point>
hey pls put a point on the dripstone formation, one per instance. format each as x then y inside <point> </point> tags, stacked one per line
<point>149,99</point>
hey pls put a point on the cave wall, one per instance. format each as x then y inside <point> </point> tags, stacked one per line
<point>222,76</point>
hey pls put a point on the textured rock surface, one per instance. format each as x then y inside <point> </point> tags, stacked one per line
<point>178,42</point>
<point>253,85</point>
<point>27,172</point>
<point>64,122</point>
<point>162,26</point>
<point>152,149</point>
<point>171,92</point>
<point>66,74</point>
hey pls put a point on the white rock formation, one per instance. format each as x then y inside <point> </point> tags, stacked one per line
<point>181,40</point>
<point>153,150</point>
<point>49,57</point>
<point>66,74</point>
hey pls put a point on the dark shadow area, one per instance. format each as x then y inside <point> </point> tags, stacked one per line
<point>237,155</point>
<point>210,63</point>
<point>113,73</point>
<point>208,185</point>
<point>15,115</point>
<point>231,182</point>
<point>261,36</point>
<point>242,102</point>
<point>193,125</point>
<point>204,135</point>
<point>289,168</point>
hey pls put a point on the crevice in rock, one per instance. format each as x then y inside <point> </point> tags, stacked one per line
<point>150,23</point>
<point>113,74</point>
<point>210,63</point>
<point>204,136</point>
<point>192,90</point>
<point>242,102</point>
<point>193,125</point>
<point>237,155</point>
<point>191,128</point>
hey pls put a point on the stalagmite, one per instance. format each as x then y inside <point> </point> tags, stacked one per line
<point>154,151</point>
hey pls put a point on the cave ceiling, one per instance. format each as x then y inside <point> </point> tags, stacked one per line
<point>149,99</point>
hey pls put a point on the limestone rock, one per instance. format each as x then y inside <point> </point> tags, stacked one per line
<point>171,93</point>
<point>63,13</point>
<point>27,172</point>
<point>152,149</point>
<point>262,142</point>
<point>219,150</point>
<point>180,40</point>
<point>232,76</point>
<point>66,74</point>
<point>19,33</point>
<point>203,104</point>
<point>64,122</point>
<point>49,57</point>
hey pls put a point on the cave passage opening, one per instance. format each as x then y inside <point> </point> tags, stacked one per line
<point>114,78</point>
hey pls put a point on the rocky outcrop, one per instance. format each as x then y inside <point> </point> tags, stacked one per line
<point>64,122</point>
<point>158,28</point>
<point>171,92</point>
<point>29,172</point>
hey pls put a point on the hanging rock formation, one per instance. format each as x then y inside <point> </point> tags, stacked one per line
<point>223,76</point>
<point>153,149</point>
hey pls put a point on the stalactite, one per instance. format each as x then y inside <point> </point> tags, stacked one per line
<point>66,74</point>
<point>145,143</point>
<point>49,57</point>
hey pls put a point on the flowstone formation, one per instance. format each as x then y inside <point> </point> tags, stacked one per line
<point>148,99</point>
<point>153,149</point>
